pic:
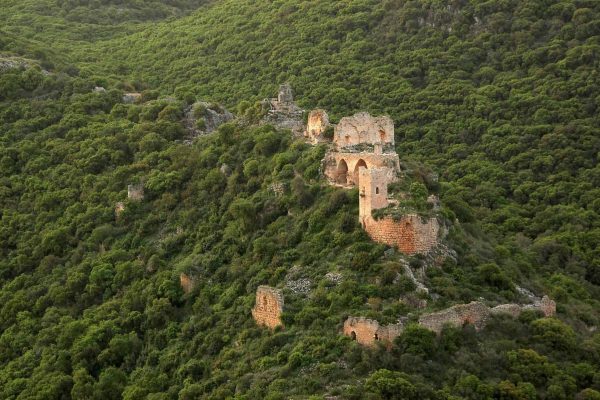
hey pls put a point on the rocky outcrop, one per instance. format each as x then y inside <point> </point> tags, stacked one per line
<point>130,98</point>
<point>202,118</point>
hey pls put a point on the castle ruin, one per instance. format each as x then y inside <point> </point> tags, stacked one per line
<point>269,306</point>
<point>362,155</point>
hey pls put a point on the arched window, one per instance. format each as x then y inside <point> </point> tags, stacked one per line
<point>376,190</point>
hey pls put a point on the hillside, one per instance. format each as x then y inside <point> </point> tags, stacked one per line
<point>495,106</point>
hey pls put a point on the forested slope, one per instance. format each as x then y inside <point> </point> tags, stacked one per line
<point>499,99</point>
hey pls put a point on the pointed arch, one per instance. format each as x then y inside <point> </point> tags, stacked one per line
<point>360,163</point>
<point>341,174</point>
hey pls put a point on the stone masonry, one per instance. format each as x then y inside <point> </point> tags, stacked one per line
<point>269,306</point>
<point>477,313</point>
<point>318,122</point>
<point>283,112</point>
<point>361,141</point>
<point>411,234</point>
<point>368,331</point>
<point>474,313</point>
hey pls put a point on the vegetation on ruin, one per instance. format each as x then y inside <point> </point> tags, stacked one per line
<point>499,99</point>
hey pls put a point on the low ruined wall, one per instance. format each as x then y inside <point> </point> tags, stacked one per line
<point>269,306</point>
<point>474,313</point>
<point>410,234</point>
<point>477,313</point>
<point>368,331</point>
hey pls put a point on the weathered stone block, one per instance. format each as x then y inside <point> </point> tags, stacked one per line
<point>269,306</point>
<point>318,122</point>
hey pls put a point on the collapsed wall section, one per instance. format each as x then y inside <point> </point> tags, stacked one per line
<point>317,123</point>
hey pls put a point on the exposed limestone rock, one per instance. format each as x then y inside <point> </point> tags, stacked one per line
<point>8,63</point>
<point>278,188</point>
<point>318,122</point>
<point>225,169</point>
<point>135,192</point>
<point>269,306</point>
<point>368,331</point>
<point>119,208</point>
<point>130,98</point>
<point>202,118</point>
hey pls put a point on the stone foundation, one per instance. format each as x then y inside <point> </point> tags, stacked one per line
<point>269,306</point>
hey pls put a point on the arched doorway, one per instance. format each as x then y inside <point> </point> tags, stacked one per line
<point>353,335</point>
<point>360,163</point>
<point>342,173</point>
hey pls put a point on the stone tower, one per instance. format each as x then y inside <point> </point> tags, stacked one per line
<point>285,95</point>
<point>372,191</point>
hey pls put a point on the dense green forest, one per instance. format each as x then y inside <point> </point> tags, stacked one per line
<point>496,107</point>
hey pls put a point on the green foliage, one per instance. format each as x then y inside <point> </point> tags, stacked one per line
<point>496,110</point>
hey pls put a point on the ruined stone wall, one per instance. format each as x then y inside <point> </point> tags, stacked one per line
<point>477,313</point>
<point>411,235</point>
<point>474,313</point>
<point>368,331</point>
<point>269,306</point>
<point>363,128</point>
<point>343,168</point>
<point>318,122</point>
<point>372,190</point>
